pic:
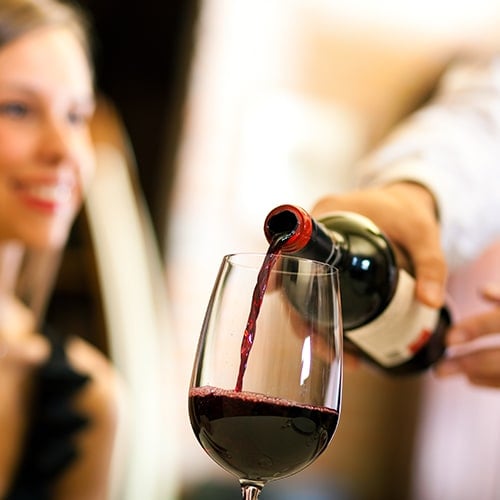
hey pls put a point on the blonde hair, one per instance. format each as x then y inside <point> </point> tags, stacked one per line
<point>19,17</point>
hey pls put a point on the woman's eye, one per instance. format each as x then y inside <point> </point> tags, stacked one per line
<point>14,109</point>
<point>78,118</point>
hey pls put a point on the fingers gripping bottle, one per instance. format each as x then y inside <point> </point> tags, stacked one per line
<point>383,321</point>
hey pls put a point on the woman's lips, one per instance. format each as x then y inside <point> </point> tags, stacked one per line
<point>47,197</point>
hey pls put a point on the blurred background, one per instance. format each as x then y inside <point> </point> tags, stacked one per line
<point>226,109</point>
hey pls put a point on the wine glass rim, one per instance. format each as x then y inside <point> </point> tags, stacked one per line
<point>231,257</point>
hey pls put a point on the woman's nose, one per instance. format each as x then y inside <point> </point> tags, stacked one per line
<point>54,143</point>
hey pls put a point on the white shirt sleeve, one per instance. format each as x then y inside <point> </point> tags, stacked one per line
<point>453,147</point>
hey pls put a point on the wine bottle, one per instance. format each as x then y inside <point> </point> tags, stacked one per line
<point>383,321</point>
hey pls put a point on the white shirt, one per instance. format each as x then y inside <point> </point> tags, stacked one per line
<point>453,147</point>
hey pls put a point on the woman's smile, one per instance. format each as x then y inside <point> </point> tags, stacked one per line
<point>46,196</point>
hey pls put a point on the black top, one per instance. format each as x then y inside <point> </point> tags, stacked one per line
<point>49,448</point>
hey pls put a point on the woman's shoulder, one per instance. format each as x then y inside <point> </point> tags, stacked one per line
<point>100,400</point>
<point>105,387</point>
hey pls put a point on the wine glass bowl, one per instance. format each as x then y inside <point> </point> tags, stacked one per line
<point>265,393</point>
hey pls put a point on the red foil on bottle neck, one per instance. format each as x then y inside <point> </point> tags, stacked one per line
<point>293,221</point>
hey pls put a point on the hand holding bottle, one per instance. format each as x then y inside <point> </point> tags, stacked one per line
<point>406,212</point>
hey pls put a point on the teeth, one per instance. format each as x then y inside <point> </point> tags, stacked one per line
<point>57,193</point>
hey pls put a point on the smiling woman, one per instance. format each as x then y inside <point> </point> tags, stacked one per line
<point>46,159</point>
<point>58,395</point>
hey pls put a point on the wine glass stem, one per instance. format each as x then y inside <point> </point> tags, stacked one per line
<point>250,492</point>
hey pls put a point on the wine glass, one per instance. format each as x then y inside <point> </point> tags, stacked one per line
<point>265,393</point>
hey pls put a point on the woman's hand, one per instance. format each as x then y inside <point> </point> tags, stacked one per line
<point>21,352</point>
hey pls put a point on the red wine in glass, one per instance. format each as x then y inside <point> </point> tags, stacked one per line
<point>282,437</point>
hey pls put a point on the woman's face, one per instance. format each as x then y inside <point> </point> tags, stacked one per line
<point>46,156</point>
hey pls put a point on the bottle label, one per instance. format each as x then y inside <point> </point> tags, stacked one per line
<point>401,330</point>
